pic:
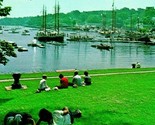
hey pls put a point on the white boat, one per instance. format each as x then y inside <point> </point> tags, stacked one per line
<point>13,31</point>
<point>1,31</point>
<point>35,44</point>
<point>22,49</point>
<point>25,32</point>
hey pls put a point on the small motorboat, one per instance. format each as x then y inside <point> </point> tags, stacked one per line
<point>22,49</point>
<point>25,32</point>
<point>35,44</point>
<point>103,46</point>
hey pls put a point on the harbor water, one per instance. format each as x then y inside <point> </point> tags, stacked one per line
<point>74,55</point>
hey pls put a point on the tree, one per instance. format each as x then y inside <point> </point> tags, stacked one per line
<point>4,11</point>
<point>6,48</point>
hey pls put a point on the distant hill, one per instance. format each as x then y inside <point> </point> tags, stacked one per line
<point>125,18</point>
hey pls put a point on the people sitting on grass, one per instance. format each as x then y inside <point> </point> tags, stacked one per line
<point>58,117</point>
<point>76,81</point>
<point>43,85</point>
<point>87,79</point>
<point>138,65</point>
<point>17,118</point>
<point>63,83</point>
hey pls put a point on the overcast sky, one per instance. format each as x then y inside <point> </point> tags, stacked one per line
<point>22,8</point>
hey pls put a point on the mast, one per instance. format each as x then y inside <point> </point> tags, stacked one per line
<point>131,22</point>
<point>138,23</point>
<point>103,20</point>
<point>45,24</point>
<point>113,17</point>
<point>55,17</point>
<point>58,9</point>
<point>44,19</point>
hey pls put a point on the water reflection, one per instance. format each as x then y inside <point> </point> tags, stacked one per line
<point>34,58</point>
<point>55,60</point>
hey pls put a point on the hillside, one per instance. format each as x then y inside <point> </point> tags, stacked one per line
<point>125,17</point>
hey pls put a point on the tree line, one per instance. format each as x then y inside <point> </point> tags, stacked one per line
<point>124,18</point>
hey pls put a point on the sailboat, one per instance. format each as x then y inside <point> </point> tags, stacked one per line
<point>46,36</point>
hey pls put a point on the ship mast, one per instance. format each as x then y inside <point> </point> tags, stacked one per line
<point>131,22</point>
<point>113,17</point>
<point>45,24</point>
<point>55,16</point>
<point>57,9</point>
<point>44,19</point>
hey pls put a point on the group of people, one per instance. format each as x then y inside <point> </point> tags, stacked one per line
<point>136,65</point>
<point>59,117</point>
<point>64,82</point>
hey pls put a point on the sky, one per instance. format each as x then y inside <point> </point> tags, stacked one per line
<point>23,8</point>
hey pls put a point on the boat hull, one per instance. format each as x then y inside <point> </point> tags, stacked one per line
<point>57,38</point>
<point>107,47</point>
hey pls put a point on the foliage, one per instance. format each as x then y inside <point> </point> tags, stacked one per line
<point>4,11</point>
<point>6,50</point>
<point>112,99</point>
<point>123,18</point>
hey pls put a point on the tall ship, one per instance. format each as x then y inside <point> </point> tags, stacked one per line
<point>46,35</point>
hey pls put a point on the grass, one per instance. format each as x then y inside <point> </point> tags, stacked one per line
<point>113,99</point>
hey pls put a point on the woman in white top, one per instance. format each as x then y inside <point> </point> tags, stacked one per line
<point>43,85</point>
<point>58,117</point>
<point>61,117</point>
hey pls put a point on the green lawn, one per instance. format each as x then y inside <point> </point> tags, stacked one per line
<point>112,99</point>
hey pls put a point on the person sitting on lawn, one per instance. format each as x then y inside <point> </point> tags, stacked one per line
<point>65,116</point>
<point>138,65</point>
<point>87,79</point>
<point>43,85</point>
<point>17,118</point>
<point>62,117</point>
<point>76,81</point>
<point>63,82</point>
<point>58,117</point>
<point>45,116</point>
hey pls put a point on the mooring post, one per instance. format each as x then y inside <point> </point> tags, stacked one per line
<point>16,84</point>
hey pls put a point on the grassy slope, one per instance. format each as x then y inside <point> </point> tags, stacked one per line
<point>126,99</point>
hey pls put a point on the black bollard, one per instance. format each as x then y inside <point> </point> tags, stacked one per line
<point>133,65</point>
<point>16,84</point>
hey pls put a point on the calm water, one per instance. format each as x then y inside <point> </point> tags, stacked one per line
<point>79,55</point>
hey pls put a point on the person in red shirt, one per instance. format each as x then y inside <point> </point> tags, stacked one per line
<point>63,82</point>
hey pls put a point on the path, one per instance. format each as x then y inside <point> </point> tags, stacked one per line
<point>103,74</point>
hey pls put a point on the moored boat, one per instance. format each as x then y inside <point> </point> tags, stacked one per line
<point>14,30</point>
<point>22,49</point>
<point>103,46</point>
<point>35,44</point>
<point>44,35</point>
<point>79,37</point>
<point>25,32</point>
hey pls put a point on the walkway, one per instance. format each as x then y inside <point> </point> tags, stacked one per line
<point>103,74</point>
